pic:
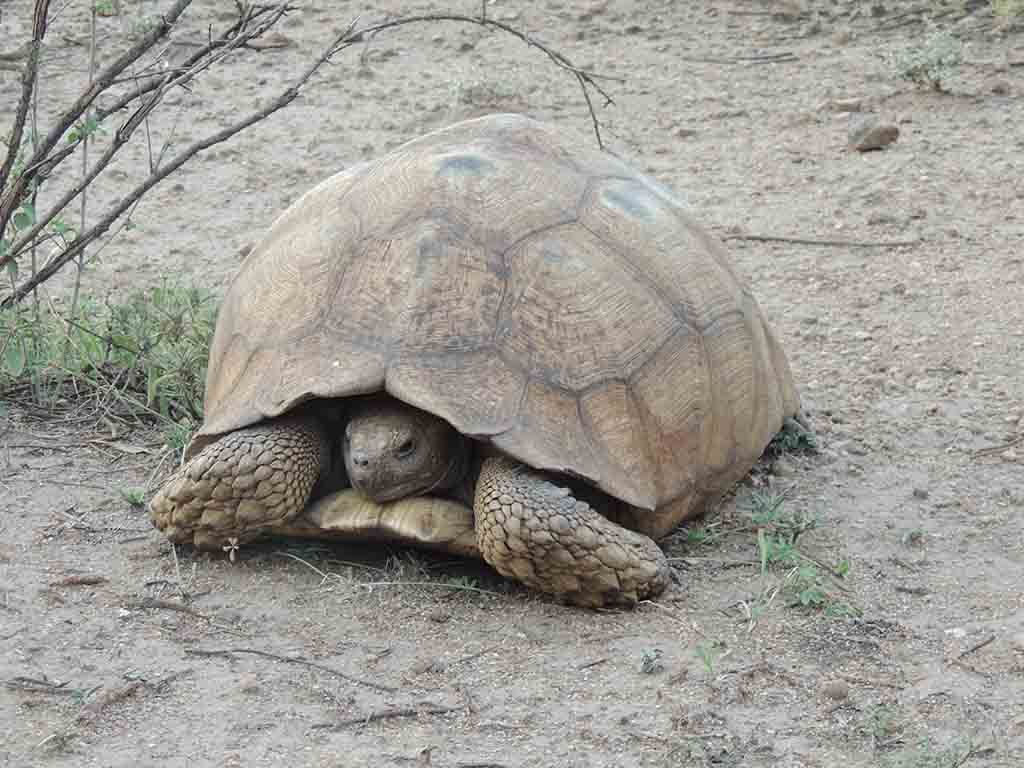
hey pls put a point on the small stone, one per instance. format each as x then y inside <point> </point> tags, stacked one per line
<point>837,690</point>
<point>882,217</point>
<point>439,617</point>
<point>842,37</point>
<point>427,665</point>
<point>920,493</point>
<point>869,132</point>
<point>783,468</point>
<point>1009,455</point>
<point>248,684</point>
<point>1001,88</point>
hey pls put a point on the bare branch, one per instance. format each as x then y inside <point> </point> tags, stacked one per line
<point>11,195</point>
<point>28,85</point>
<point>154,81</point>
<point>43,163</point>
<point>124,133</point>
<point>586,78</point>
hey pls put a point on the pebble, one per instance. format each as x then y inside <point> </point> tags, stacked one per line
<point>837,690</point>
<point>783,468</point>
<point>248,684</point>
<point>869,132</point>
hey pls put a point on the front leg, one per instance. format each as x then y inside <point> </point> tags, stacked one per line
<point>531,530</point>
<point>245,484</point>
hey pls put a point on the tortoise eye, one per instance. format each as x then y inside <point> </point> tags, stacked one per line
<point>406,448</point>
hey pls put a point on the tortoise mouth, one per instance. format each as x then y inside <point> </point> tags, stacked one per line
<point>391,492</point>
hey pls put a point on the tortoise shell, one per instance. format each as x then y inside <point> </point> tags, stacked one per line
<point>536,293</point>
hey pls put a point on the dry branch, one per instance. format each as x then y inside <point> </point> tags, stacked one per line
<point>13,194</point>
<point>149,94</point>
<point>28,85</point>
<point>828,243</point>
<point>235,37</point>
<point>291,660</point>
<point>386,714</point>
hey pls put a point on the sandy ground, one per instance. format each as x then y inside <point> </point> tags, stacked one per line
<point>909,360</point>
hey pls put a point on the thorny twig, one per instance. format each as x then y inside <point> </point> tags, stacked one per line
<point>12,194</point>
<point>229,41</point>
<point>586,78</point>
<point>44,159</point>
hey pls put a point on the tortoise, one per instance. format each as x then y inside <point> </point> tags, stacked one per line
<point>495,341</point>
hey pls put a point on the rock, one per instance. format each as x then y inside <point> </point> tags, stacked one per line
<point>876,218</point>
<point>783,468</point>
<point>869,132</point>
<point>837,690</point>
<point>248,684</point>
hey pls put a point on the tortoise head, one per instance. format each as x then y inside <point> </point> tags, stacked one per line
<point>393,450</point>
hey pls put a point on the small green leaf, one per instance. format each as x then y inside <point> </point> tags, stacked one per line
<point>72,136</point>
<point>5,244</point>
<point>12,269</point>
<point>15,358</point>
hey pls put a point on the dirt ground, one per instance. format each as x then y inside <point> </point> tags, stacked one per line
<point>909,360</point>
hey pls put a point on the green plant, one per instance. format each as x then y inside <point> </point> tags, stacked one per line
<point>650,661</point>
<point>927,754</point>
<point>793,438</point>
<point>807,582</point>
<point>144,357</point>
<point>707,653</point>
<point>133,495</point>
<point>931,62</point>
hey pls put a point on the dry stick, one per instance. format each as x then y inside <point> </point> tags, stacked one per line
<point>164,83</point>
<point>811,241</point>
<point>585,77</point>
<point>977,647</point>
<point>290,660</point>
<point>994,449</point>
<point>386,714</point>
<point>28,81</point>
<point>13,194</point>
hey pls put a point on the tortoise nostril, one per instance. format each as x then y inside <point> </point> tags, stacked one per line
<point>360,460</point>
